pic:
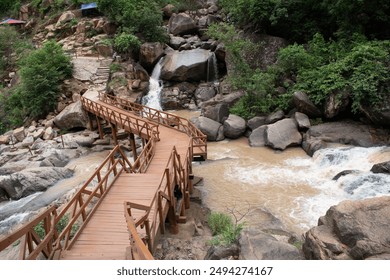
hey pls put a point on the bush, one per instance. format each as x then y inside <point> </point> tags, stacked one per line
<point>223,229</point>
<point>42,73</point>
<point>127,43</point>
<point>139,16</point>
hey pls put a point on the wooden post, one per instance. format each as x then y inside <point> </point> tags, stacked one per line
<point>99,127</point>
<point>113,131</point>
<point>133,146</point>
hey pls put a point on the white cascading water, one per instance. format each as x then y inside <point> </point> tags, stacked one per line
<point>294,187</point>
<point>212,68</point>
<point>152,99</point>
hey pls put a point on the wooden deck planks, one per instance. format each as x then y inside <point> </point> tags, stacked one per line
<point>106,235</point>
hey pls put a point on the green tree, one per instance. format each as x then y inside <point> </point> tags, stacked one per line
<point>139,16</point>
<point>42,73</point>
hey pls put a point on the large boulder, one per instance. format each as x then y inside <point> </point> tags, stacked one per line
<point>351,230</point>
<point>257,245</point>
<point>348,132</point>
<point>336,104</point>
<point>181,24</point>
<point>150,53</point>
<point>304,105</point>
<point>212,129</point>
<point>257,137</point>
<point>234,127</point>
<point>383,167</point>
<point>256,122</point>
<point>302,120</point>
<point>73,116</point>
<point>64,18</point>
<point>283,134</point>
<point>379,114</point>
<point>218,113</point>
<point>29,181</point>
<point>204,92</point>
<point>188,65</point>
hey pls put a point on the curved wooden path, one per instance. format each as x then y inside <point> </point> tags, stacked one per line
<point>122,209</point>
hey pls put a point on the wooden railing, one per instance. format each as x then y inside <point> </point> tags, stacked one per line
<point>75,214</point>
<point>31,245</point>
<point>132,124</point>
<point>199,140</point>
<point>170,200</point>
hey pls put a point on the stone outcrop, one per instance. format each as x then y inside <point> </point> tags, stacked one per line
<point>283,134</point>
<point>304,105</point>
<point>383,167</point>
<point>257,245</point>
<point>188,65</point>
<point>256,122</point>
<point>302,120</point>
<point>234,127</point>
<point>348,132</point>
<point>150,53</point>
<point>181,24</point>
<point>73,116</point>
<point>351,230</point>
<point>257,137</point>
<point>212,129</point>
<point>218,113</point>
<point>29,181</point>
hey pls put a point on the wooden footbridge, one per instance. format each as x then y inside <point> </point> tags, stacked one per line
<point>125,205</point>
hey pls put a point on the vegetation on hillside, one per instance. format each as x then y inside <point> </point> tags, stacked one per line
<point>42,72</point>
<point>337,50</point>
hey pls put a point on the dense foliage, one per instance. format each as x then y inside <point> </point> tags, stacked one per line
<point>138,16</point>
<point>42,73</point>
<point>340,51</point>
<point>299,20</point>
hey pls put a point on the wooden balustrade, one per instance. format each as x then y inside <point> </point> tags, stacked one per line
<point>199,140</point>
<point>132,124</point>
<point>169,201</point>
<point>31,245</point>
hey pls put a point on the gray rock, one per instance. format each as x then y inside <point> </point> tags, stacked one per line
<point>204,92</point>
<point>188,65</point>
<point>222,252</point>
<point>274,117</point>
<point>256,122</point>
<point>310,146</point>
<point>73,116</point>
<point>348,132</point>
<point>257,137</point>
<point>383,167</point>
<point>176,42</point>
<point>150,53</point>
<point>352,229</point>
<point>181,24</point>
<point>257,245</point>
<point>234,127</point>
<point>28,141</point>
<point>29,181</point>
<point>304,105</point>
<point>218,113</point>
<point>336,104</point>
<point>283,134</point>
<point>212,129</point>
<point>302,121</point>
<point>19,134</point>
<point>380,115</point>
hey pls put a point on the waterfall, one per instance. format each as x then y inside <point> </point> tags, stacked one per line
<point>152,99</point>
<point>212,68</point>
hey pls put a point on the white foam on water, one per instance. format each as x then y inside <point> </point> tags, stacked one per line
<point>317,173</point>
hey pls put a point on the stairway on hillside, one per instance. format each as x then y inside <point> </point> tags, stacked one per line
<point>102,74</point>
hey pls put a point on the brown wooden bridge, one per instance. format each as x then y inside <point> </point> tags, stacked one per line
<point>125,205</point>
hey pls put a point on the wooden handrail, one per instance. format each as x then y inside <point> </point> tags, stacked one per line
<point>199,140</point>
<point>138,249</point>
<point>32,245</point>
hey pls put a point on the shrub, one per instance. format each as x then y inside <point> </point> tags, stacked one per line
<point>224,230</point>
<point>126,43</point>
